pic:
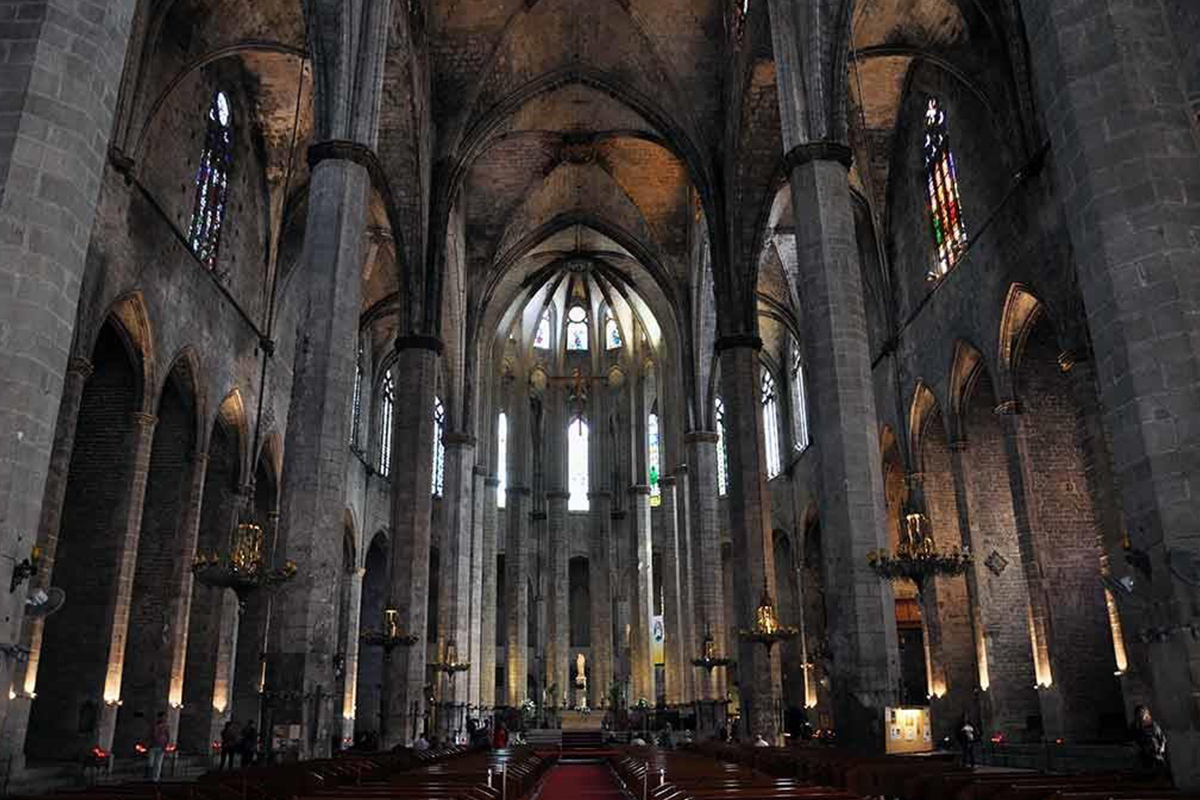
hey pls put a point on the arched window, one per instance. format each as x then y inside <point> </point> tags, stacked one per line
<point>722,456</point>
<point>577,465</point>
<point>799,400</point>
<point>577,329</point>
<point>945,205</point>
<point>387,406</point>
<point>439,447</point>
<point>502,460</point>
<point>770,404</point>
<point>652,457</point>
<point>212,182</point>
<point>612,334</point>
<point>542,339</point>
<point>356,402</point>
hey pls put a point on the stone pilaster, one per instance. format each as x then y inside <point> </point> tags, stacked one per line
<point>642,667</point>
<point>412,488</point>
<point>129,521</point>
<point>1135,254</point>
<point>750,519</point>
<point>708,582</point>
<point>303,642</point>
<point>690,632</point>
<point>678,663</point>
<point>600,587</point>
<point>558,649</point>
<point>62,70</point>
<point>516,598</point>
<point>488,589</point>
<point>475,622</point>
<point>454,595</point>
<point>862,622</point>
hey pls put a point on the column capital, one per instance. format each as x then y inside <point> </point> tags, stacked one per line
<point>599,495</point>
<point>346,150</point>
<point>1009,408</point>
<point>823,150</point>
<point>458,439</point>
<point>81,367</point>
<point>559,494</point>
<point>738,341</point>
<point>144,420</point>
<point>491,482</point>
<point>639,489</point>
<point>701,437</point>
<point>418,341</point>
<point>667,480</point>
<point>521,490</point>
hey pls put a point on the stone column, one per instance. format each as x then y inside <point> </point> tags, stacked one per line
<point>678,661</point>
<point>622,574</point>
<point>862,622</point>
<point>455,594</point>
<point>488,588</point>
<point>129,519</point>
<point>412,489</point>
<point>351,645</point>
<point>303,642</point>
<point>641,671</point>
<point>1125,169</point>
<point>558,650</point>
<point>750,518</point>
<point>475,621</point>
<point>181,607</point>
<point>516,583</point>
<point>60,85</point>
<point>708,583</point>
<point>690,631</point>
<point>600,588</point>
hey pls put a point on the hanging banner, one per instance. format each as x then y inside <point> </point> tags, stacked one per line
<point>657,638</point>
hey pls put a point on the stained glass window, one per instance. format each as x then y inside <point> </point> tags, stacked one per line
<point>652,458</point>
<point>800,399</point>
<point>356,402</point>
<point>212,182</point>
<point>722,456</point>
<point>612,334</point>
<point>577,465</point>
<point>439,447</point>
<point>577,329</point>
<point>502,460</point>
<point>945,205</point>
<point>542,339</point>
<point>387,406</point>
<point>770,404</point>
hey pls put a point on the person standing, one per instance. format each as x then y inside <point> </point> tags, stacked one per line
<point>966,740</point>
<point>249,743</point>
<point>1151,743</point>
<point>160,737</point>
<point>229,745</point>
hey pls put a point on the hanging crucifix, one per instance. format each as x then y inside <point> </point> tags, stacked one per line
<point>578,391</point>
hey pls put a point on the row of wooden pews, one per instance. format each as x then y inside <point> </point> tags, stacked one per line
<point>936,777</point>
<point>655,774</point>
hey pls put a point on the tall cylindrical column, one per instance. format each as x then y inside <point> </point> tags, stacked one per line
<point>678,665</point>
<point>558,650</point>
<point>708,581</point>
<point>488,590</point>
<point>641,626</point>
<point>600,587</point>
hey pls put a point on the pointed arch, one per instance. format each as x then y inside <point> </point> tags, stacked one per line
<point>1021,311</point>
<point>965,370</point>
<point>921,410</point>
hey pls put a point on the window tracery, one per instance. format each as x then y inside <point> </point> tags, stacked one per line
<point>356,402</point>
<point>722,455</point>
<point>439,447</point>
<point>945,203</point>
<point>612,334</point>
<point>212,182</point>
<point>541,339</point>
<point>800,399</point>
<point>502,460</point>
<point>577,329</point>
<point>387,405</point>
<point>577,465</point>
<point>770,404</point>
<point>652,457</point>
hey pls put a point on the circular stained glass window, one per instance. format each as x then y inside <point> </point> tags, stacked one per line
<point>577,314</point>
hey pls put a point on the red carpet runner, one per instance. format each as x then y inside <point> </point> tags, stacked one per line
<point>580,782</point>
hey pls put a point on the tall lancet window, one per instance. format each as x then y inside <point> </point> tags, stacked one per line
<point>387,407</point>
<point>541,340</point>
<point>439,447</point>
<point>212,182</point>
<point>652,457</point>
<point>502,460</point>
<point>356,402</point>
<point>577,465</point>
<point>799,401</point>
<point>577,328</point>
<point>722,455</point>
<point>770,404</point>
<point>945,205</point>
<point>612,334</point>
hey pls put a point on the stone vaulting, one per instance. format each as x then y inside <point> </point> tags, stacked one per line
<point>569,329</point>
